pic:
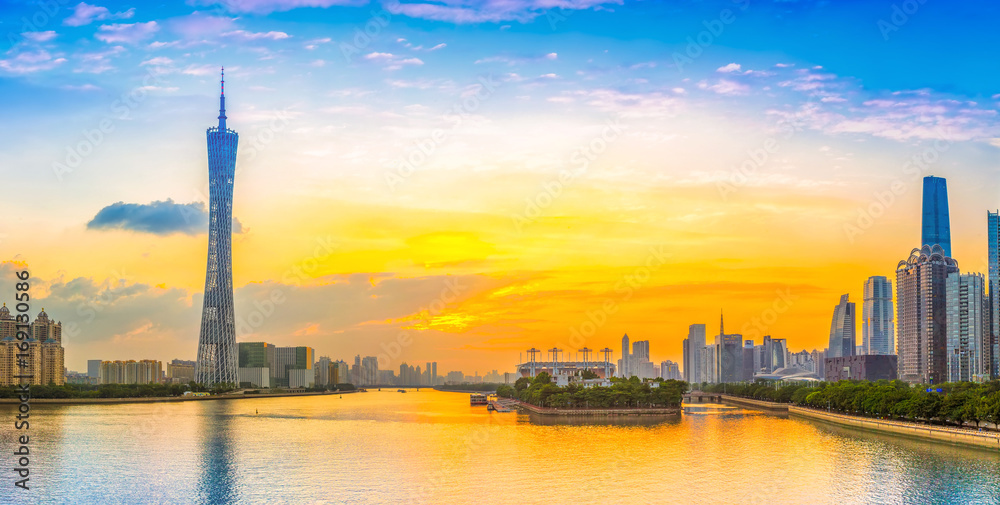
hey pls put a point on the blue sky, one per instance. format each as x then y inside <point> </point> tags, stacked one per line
<point>105,105</point>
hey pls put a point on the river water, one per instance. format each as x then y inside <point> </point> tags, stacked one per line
<point>432,447</point>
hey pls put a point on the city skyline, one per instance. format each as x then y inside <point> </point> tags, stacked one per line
<point>340,246</point>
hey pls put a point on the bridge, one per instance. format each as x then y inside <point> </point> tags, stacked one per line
<point>702,397</point>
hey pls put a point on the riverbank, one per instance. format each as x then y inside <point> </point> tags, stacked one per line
<point>959,436</point>
<point>160,399</point>
<point>608,412</point>
<point>466,391</point>
<point>755,404</point>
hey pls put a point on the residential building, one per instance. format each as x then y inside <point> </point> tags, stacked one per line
<point>694,345</point>
<point>44,360</point>
<point>968,334</point>
<point>180,371</point>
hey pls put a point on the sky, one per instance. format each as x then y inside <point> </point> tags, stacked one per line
<point>458,181</point>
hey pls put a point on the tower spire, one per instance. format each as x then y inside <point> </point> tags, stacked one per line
<point>722,330</point>
<point>222,101</point>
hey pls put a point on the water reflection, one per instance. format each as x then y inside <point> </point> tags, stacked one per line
<point>217,469</point>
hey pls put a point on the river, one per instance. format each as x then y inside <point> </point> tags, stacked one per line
<point>432,447</point>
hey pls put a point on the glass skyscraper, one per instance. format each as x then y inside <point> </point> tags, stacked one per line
<point>936,227</point>
<point>993,234</point>
<point>842,329</point>
<point>217,353</point>
<point>877,332</point>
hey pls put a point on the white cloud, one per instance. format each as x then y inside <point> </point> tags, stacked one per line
<point>84,14</point>
<point>30,61</point>
<point>39,36</point>
<point>126,33</point>
<point>732,67</point>
<point>725,87</point>
<point>158,61</point>
<point>245,35</point>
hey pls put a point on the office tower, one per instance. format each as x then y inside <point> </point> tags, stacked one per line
<point>877,330</point>
<point>729,356</point>
<point>693,364</point>
<point>434,373</point>
<point>779,353</point>
<point>323,372</point>
<point>623,362</point>
<point>842,329</point>
<point>936,227</point>
<point>993,234</point>
<point>967,328</point>
<point>287,359</point>
<point>685,360</point>
<point>748,361</point>
<point>921,314</point>
<point>255,355</point>
<point>369,371</point>
<point>217,355</point>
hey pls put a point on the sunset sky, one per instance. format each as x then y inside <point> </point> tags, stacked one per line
<point>486,176</point>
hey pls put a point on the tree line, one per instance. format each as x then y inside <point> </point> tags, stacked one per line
<point>623,393</point>
<point>955,403</point>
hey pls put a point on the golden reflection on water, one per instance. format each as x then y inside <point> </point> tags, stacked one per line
<point>432,447</point>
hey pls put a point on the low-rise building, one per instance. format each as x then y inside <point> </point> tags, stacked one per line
<point>870,367</point>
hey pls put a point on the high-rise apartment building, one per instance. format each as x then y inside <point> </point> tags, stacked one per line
<point>936,225</point>
<point>147,371</point>
<point>921,314</point>
<point>878,335</point>
<point>44,360</point>
<point>993,256</point>
<point>180,371</point>
<point>969,340</point>
<point>217,353</point>
<point>842,329</point>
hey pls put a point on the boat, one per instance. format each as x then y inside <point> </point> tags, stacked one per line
<point>401,390</point>
<point>478,399</point>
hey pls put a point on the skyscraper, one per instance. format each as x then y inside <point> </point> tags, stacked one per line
<point>921,314</point>
<point>842,329</point>
<point>968,328</point>
<point>877,331</point>
<point>217,354</point>
<point>936,227</point>
<point>693,363</point>
<point>623,362</point>
<point>993,220</point>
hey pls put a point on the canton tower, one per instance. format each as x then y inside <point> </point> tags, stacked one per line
<point>217,355</point>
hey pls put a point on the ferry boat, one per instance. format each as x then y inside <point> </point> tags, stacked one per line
<point>478,399</point>
<point>401,390</point>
